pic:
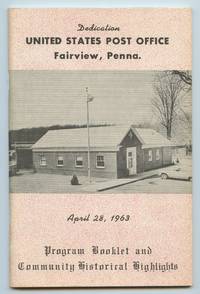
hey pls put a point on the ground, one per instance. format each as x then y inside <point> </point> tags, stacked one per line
<point>154,185</point>
<point>26,181</point>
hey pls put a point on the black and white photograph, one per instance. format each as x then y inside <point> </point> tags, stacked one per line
<point>100,132</point>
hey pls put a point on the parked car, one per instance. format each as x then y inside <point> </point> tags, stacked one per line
<point>177,171</point>
<point>12,162</point>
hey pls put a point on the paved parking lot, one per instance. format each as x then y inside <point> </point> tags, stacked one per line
<point>29,182</point>
<point>154,185</point>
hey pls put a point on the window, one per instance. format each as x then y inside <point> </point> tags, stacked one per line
<point>60,161</point>
<point>79,161</point>
<point>43,161</point>
<point>100,161</point>
<point>130,159</point>
<point>150,155</point>
<point>157,154</point>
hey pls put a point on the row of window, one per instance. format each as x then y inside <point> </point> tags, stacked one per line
<point>150,155</point>
<point>78,161</point>
<point>100,163</point>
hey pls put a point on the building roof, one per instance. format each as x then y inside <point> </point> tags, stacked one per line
<point>22,145</point>
<point>150,138</point>
<point>101,138</point>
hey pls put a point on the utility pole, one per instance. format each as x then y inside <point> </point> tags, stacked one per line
<point>89,98</point>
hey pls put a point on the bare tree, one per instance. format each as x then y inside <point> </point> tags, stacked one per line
<point>186,118</point>
<point>185,76</point>
<point>167,88</point>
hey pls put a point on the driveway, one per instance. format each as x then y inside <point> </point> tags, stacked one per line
<point>155,185</point>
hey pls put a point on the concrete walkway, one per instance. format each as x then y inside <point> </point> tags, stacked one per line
<point>102,186</point>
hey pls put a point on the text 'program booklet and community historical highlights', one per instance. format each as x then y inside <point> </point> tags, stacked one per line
<point>100,147</point>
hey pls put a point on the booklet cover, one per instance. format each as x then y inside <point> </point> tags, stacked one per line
<point>100,147</point>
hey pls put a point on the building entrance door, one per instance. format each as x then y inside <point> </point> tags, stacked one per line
<point>131,160</point>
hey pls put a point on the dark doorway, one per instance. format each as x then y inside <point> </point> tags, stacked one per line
<point>24,158</point>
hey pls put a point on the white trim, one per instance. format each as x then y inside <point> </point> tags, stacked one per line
<point>100,166</point>
<point>129,128</point>
<point>77,149</point>
<point>150,155</point>
<point>133,169</point>
<point>43,164</point>
<point>79,166</point>
<point>155,146</point>
<point>44,160</point>
<point>137,135</point>
<point>62,159</point>
<point>157,155</point>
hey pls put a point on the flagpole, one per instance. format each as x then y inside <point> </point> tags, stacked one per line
<point>88,135</point>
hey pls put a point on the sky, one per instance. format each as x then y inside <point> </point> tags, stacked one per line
<point>45,98</point>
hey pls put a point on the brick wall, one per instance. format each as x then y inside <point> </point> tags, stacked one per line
<point>69,166</point>
<point>165,158</point>
<point>167,155</point>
